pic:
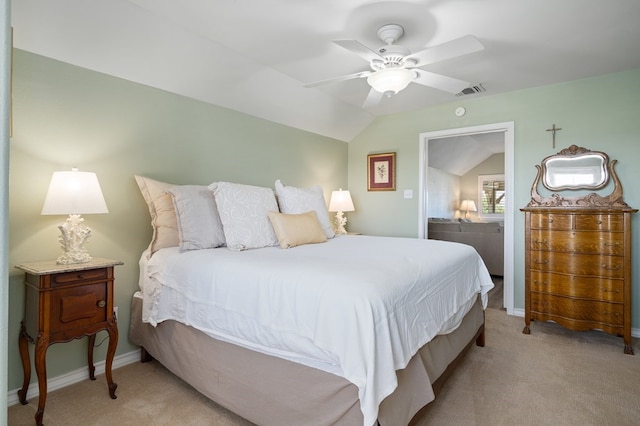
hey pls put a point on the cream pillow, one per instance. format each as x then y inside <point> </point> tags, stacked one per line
<point>297,229</point>
<point>162,211</point>
<point>294,200</point>
<point>199,225</point>
<point>244,213</point>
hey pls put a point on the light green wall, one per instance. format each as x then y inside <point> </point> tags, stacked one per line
<point>598,113</point>
<point>66,116</point>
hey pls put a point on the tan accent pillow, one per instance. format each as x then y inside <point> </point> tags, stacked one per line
<point>297,229</point>
<point>162,211</point>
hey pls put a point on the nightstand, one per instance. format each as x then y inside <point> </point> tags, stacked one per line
<point>62,303</point>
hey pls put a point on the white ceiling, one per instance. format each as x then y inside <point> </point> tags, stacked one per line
<point>459,154</point>
<point>254,56</point>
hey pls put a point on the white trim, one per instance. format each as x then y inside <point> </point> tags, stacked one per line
<point>73,377</point>
<point>509,217</point>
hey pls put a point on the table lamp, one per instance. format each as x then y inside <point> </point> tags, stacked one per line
<point>340,202</point>
<point>74,193</point>
<point>468,206</point>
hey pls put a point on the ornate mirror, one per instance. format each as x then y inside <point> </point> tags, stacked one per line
<point>587,170</point>
<point>576,168</point>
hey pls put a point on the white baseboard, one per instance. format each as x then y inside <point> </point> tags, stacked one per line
<point>73,377</point>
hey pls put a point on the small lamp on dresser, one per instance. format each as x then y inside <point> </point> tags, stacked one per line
<point>74,193</point>
<point>468,206</point>
<point>341,202</point>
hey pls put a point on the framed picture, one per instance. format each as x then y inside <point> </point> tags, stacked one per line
<point>381,172</point>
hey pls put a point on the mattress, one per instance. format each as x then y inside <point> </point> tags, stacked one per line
<point>358,307</point>
<point>272,391</point>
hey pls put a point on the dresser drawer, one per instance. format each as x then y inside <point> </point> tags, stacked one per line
<point>77,307</point>
<point>551,221</point>
<point>600,222</point>
<point>596,288</point>
<point>69,278</point>
<point>578,264</point>
<point>577,309</point>
<point>608,243</point>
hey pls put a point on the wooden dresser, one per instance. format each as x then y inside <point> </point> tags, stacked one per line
<point>578,261</point>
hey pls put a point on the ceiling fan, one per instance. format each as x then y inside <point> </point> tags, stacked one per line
<point>393,67</point>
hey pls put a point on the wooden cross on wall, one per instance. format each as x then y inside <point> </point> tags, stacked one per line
<point>553,131</point>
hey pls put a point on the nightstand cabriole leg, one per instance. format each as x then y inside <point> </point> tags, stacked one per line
<point>42,343</point>
<point>92,368</point>
<point>23,345</point>
<point>112,329</point>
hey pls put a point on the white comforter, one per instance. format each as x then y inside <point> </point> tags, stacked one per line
<point>356,306</point>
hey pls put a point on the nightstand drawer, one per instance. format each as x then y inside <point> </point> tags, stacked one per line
<point>67,278</point>
<point>77,307</point>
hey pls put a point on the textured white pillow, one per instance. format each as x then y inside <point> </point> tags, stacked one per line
<point>163,215</point>
<point>244,212</point>
<point>294,200</point>
<point>199,225</point>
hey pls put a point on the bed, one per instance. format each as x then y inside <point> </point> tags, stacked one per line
<point>347,330</point>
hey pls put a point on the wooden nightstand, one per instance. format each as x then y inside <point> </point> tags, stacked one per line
<point>62,303</point>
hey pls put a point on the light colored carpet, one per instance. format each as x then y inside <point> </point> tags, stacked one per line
<point>551,377</point>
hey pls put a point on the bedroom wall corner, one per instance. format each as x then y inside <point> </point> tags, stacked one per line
<point>598,113</point>
<point>5,130</point>
<point>67,116</point>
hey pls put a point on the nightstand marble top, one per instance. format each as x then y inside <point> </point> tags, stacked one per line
<point>51,267</point>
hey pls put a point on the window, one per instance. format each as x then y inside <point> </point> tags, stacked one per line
<point>491,196</point>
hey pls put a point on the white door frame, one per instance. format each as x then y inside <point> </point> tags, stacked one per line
<point>508,129</point>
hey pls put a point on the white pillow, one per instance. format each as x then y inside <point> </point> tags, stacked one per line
<point>199,225</point>
<point>244,212</point>
<point>294,200</point>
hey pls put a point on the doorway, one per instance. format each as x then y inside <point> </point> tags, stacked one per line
<point>507,130</point>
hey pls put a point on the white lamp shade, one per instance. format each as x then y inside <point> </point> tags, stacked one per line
<point>74,192</point>
<point>391,80</point>
<point>468,206</point>
<point>341,201</point>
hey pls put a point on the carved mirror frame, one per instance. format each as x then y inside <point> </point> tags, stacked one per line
<point>601,169</point>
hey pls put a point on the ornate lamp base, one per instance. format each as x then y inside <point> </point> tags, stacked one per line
<point>340,222</point>
<point>72,239</point>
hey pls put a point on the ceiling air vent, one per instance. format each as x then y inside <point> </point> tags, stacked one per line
<point>472,90</point>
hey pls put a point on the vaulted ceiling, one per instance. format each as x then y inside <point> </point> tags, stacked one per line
<point>254,56</point>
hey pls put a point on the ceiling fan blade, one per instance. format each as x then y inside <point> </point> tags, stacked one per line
<point>359,49</point>
<point>373,98</point>
<point>441,82</point>
<point>361,74</point>
<point>451,49</point>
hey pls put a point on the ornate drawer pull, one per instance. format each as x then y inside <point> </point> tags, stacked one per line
<point>550,220</point>
<point>611,268</point>
<point>102,304</point>
<point>604,290</point>
<point>611,244</point>
<point>544,262</point>
<point>544,242</point>
<point>599,222</point>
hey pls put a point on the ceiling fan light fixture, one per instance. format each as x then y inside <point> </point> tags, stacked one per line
<point>391,80</point>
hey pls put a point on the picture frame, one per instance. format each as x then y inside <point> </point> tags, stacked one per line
<point>381,172</point>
